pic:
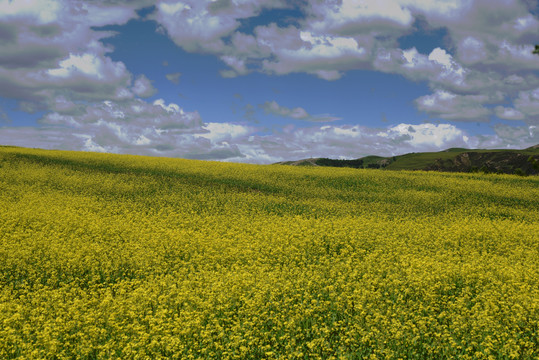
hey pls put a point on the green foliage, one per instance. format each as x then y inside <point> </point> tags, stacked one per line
<point>453,160</point>
<point>520,172</point>
<point>534,162</point>
<point>357,163</point>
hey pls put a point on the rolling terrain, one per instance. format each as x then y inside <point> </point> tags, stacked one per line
<point>522,162</point>
<point>108,256</point>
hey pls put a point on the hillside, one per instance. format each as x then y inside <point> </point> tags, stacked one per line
<point>451,160</point>
<point>108,256</point>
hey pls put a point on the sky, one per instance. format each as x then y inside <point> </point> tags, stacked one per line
<point>262,81</point>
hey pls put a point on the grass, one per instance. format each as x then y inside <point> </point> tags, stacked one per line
<point>422,160</point>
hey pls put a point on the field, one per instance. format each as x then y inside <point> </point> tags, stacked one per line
<point>500,161</point>
<point>125,257</point>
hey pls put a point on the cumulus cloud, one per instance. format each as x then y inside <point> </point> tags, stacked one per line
<point>427,136</point>
<point>37,55</point>
<point>88,65</point>
<point>438,67</point>
<point>335,37</point>
<point>53,59</point>
<point>528,103</point>
<point>472,50</point>
<point>143,87</point>
<point>322,55</point>
<point>162,129</point>
<point>52,48</point>
<point>508,113</point>
<point>201,25</point>
<point>192,26</point>
<point>131,126</point>
<point>352,17</point>
<point>516,56</point>
<point>237,65</point>
<point>513,136</point>
<point>450,106</point>
<point>225,132</point>
<point>350,142</point>
<point>42,12</point>
<point>133,113</point>
<point>297,113</point>
<point>85,76</point>
<point>482,43</point>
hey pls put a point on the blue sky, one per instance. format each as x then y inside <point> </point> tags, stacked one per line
<point>264,81</point>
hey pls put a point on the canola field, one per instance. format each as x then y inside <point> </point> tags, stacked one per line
<point>127,257</point>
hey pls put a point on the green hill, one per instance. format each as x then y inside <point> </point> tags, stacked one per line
<point>522,162</point>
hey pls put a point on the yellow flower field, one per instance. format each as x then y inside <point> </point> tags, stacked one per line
<point>126,257</point>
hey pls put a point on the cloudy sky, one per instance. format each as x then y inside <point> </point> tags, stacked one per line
<point>267,80</point>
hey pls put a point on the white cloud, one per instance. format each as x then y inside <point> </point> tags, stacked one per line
<point>471,50</point>
<point>86,64</point>
<point>439,67</point>
<point>53,49</point>
<point>526,24</point>
<point>427,136</point>
<point>327,46</point>
<point>348,141</point>
<point>104,128</point>
<point>448,9</point>
<point>322,55</point>
<point>501,43</point>
<point>297,113</point>
<point>508,113</point>
<point>528,103</point>
<point>131,126</point>
<point>171,9</point>
<point>134,113</point>
<point>42,11</point>
<point>143,87</point>
<point>335,37</point>
<point>353,17</point>
<point>516,57</point>
<point>90,145</point>
<point>237,64</point>
<point>513,136</point>
<point>339,36</point>
<point>450,106</point>
<point>441,57</point>
<point>200,25</point>
<point>249,46</point>
<point>170,108</point>
<point>35,137</point>
<point>53,59</point>
<point>193,27</point>
<point>219,132</point>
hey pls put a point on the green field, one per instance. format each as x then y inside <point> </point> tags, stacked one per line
<point>422,160</point>
<point>502,161</point>
<point>128,257</point>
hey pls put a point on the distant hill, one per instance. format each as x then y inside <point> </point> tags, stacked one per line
<point>523,162</point>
